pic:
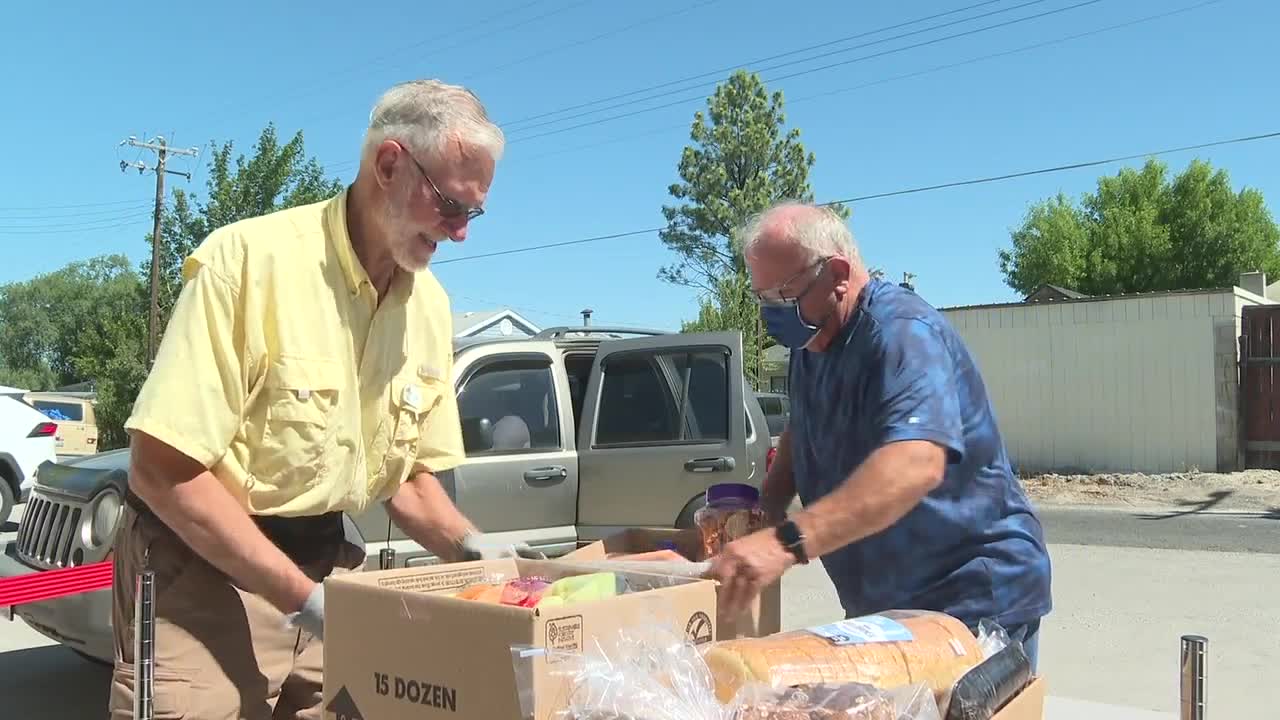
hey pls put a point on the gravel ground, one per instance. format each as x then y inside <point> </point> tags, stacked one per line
<point>1249,490</point>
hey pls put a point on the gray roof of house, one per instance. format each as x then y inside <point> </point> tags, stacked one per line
<point>463,321</point>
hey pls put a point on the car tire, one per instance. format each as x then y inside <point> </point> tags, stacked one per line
<point>685,520</point>
<point>7,500</point>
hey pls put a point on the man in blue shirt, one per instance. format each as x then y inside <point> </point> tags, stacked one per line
<point>893,446</point>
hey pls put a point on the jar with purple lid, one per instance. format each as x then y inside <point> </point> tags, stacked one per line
<point>732,511</point>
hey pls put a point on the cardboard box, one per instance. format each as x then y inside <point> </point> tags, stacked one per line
<point>397,645</point>
<point>764,617</point>
<point>1026,705</point>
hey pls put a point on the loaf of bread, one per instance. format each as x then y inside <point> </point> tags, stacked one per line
<point>888,650</point>
<point>821,702</point>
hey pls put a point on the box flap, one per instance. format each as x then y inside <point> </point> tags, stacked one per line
<point>1026,705</point>
<point>431,578</point>
<point>637,540</point>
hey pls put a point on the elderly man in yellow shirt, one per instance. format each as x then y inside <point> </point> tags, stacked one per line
<point>305,373</point>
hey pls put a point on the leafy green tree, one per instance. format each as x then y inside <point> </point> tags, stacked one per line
<point>274,178</point>
<point>41,319</point>
<point>1141,232</point>
<point>741,161</point>
<point>82,321</point>
<point>88,321</point>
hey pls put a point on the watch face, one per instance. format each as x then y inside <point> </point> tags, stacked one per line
<point>789,532</point>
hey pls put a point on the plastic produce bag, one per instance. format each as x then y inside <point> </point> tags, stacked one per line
<point>538,592</point>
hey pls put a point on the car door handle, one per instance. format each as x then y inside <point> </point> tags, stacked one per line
<point>718,464</point>
<point>544,474</point>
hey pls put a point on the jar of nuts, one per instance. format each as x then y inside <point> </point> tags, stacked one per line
<point>732,511</point>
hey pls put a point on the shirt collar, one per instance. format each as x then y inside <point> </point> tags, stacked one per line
<point>355,274</point>
<point>865,298</point>
<point>335,217</point>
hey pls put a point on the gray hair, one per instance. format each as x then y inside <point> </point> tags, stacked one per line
<point>428,114</point>
<point>817,230</point>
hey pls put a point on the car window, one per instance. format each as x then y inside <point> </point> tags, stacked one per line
<point>673,396</point>
<point>770,405</point>
<point>69,412</point>
<point>509,406</point>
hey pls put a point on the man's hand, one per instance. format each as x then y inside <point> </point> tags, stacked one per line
<point>424,511</point>
<point>311,616</point>
<point>479,546</point>
<point>748,565</point>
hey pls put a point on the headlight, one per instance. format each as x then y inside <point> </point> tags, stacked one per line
<point>103,518</point>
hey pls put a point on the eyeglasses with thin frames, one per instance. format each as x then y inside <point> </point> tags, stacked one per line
<point>449,208</point>
<point>776,296</point>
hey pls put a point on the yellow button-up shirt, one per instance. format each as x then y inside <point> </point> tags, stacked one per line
<point>281,373</point>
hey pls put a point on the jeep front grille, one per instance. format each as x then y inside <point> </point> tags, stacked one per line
<point>48,532</point>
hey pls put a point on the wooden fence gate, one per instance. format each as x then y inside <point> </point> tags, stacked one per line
<point>1259,398</point>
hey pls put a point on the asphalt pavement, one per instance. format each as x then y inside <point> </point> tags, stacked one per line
<point>1163,530</point>
<point>1127,585</point>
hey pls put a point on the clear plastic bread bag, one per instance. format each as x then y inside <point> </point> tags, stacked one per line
<point>1004,671</point>
<point>886,650</point>
<point>651,671</point>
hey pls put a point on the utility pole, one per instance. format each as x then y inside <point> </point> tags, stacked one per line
<point>162,151</point>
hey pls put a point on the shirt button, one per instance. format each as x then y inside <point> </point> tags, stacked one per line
<point>411,395</point>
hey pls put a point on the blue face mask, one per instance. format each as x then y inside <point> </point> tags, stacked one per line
<point>785,324</point>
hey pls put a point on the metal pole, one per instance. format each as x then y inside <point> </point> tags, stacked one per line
<point>1193,676</point>
<point>144,645</point>
<point>386,559</point>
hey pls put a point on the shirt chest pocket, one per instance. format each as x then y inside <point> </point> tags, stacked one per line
<point>411,402</point>
<point>301,418</point>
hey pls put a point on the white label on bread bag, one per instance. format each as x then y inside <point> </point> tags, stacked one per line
<point>862,630</point>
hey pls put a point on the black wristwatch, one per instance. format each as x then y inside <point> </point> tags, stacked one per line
<point>793,540</point>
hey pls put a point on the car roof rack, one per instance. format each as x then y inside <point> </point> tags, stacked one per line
<point>554,333</point>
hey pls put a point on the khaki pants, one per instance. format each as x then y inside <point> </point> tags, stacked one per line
<point>221,653</point>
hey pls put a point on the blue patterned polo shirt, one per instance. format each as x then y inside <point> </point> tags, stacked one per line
<point>974,547</point>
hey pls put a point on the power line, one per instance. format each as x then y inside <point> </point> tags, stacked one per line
<point>790,63</point>
<point>468,42</point>
<point>702,96</point>
<point>904,76</point>
<point>114,211</point>
<point>594,38</point>
<point>894,193</point>
<point>80,231</point>
<point>82,225</point>
<point>69,207</point>
<point>721,71</point>
<point>1057,168</point>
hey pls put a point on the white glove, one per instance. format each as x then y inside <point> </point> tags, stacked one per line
<point>479,546</point>
<point>311,616</point>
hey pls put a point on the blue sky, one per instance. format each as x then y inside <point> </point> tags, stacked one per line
<point>77,85</point>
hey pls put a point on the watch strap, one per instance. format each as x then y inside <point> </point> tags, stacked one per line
<point>793,540</point>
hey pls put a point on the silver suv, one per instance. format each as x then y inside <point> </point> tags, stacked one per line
<point>570,435</point>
